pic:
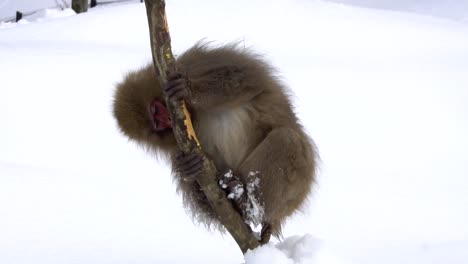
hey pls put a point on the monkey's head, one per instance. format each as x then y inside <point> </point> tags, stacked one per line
<point>141,113</point>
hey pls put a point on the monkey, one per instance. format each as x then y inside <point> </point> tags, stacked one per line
<point>243,116</point>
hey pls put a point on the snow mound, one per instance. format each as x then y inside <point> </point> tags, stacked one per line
<point>40,16</point>
<point>51,13</point>
<point>293,250</point>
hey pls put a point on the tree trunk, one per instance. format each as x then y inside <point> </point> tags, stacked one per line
<point>19,16</point>
<point>164,61</point>
<point>80,6</point>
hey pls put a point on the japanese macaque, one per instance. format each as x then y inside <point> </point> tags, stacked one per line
<point>244,120</point>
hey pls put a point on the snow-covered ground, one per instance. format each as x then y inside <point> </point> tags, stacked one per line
<point>383,93</point>
<point>450,9</point>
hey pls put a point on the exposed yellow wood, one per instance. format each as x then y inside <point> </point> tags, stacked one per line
<point>188,124</point>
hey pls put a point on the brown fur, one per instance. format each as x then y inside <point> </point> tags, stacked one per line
<point>245,122</point>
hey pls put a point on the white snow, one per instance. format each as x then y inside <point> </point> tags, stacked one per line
<point>8,8</point>
<point>40,16</point>
<point>293,250</point>
<point>237,192</point>
<point>382,93</point>
<point>449,9</point>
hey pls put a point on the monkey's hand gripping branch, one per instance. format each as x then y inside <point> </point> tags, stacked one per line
<point>185,135</point>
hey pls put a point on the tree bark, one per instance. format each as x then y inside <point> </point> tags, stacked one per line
<point>80,6</point>
<point>19,16</point>
<point>164,61</point>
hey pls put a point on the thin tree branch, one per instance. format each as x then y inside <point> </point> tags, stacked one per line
<point>164,61</point>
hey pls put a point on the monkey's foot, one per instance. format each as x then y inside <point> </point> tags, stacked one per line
<point>233,185</point>
<point>190,165</point>
<point>177,87</point>
<point>235,191</point>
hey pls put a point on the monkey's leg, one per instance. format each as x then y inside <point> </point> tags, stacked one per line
<point>285,163</point>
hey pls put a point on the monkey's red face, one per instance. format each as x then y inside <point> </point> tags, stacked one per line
<point>159,116</point>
